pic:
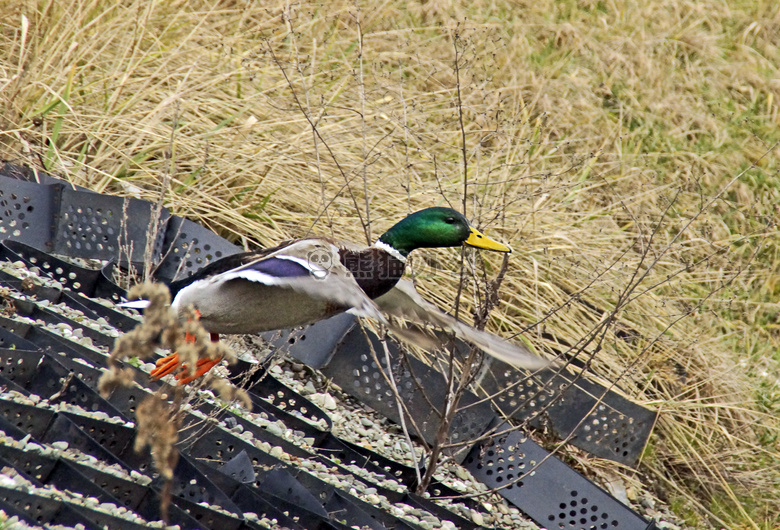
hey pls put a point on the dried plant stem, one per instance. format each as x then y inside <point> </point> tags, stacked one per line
<point>154,221</point>
<point>401,413</point>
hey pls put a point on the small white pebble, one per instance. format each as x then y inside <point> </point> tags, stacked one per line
<point>61,445</point>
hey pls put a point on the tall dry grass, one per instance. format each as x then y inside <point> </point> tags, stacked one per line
<point>628,152</point>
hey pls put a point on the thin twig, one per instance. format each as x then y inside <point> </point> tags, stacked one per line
<point>362,90</point>
<point>463,151</point>
<point>156,212</point>
<point>316,131</point>
<point>401,412</point>
<point>315,140</point>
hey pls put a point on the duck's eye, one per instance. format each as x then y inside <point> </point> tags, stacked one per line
<point>450,220</point>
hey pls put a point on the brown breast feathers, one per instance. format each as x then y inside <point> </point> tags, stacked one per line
<point>374,269</point>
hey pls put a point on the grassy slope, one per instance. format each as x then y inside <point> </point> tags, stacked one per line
<point>602,139</point>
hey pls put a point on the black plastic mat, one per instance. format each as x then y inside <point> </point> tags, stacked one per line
<point>53,216</point>
<point>545,488</point>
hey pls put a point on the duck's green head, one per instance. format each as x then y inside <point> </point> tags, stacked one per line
<point>437,227</point>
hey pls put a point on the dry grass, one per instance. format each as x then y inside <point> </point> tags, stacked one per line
<point>627,152</point>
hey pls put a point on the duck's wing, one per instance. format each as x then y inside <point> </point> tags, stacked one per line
<point>213,269</point>
<point>311,267</point>
<point>404,301</point>
<point>227,263</point>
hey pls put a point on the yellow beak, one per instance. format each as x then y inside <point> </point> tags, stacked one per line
<point>477,239</point>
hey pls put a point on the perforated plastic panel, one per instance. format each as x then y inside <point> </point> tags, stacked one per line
<point>72,221</point>
<point>95,226</point>
<point>546,489</point>
<point>37,509</point>
<point>316,343</point>
<point>189,248</point>
<point>74,278</point>
<point>27,211</point>
<point>422,389</point>
<point>604,423</point>
<point>104,227</point>
<point>190,484</point>
<point>89,282</point>
<point>26,418</point>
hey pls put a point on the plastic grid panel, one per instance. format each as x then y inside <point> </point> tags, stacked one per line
<point>316,343</point>
<point>361,335</point>
<point>191,489</point>
<point>232,421</point>
<point>19,366</point>
<point>54,471</point>
<point>27,211</point>
<point>422,388</point>
<point>363,515</point>
<point>29,337</point>
<point>33,311</point>
<point>282,484</point>
<point>26,418</point>
<point>10,340</point>
<point>70,276</point>
<point>332,350</point>
<point>117,440</point>
<point>353,454</point>
<point>127,492</point>
<point>604,423</point>
<point>63,474</point>
<point>64,429</point>
<point>286,399</point>
<point>81,283</point>
<point>40,510</point>
<point>96,226</point>
<point>91,225</point>
<point>41,375</point>
<point>31,463</point>
<point>547,490</point>
<point>282,511</point>
<point>189,247</point>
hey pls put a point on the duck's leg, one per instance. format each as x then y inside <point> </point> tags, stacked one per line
<point>168,365</point>
<point>201,367</point>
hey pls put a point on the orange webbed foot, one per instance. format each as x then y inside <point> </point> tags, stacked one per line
<point>201,368</point>
<point>168,365</point>
<point>165,366</point>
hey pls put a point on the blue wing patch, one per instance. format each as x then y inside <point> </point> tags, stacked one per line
<point>279,268</point>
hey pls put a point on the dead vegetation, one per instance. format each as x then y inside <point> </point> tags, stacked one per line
<point>628,152</point>
<point>159,415</point>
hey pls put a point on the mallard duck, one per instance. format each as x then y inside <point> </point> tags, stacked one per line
<point>300,282</point>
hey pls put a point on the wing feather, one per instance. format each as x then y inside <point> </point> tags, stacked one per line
<point>404,301</point>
